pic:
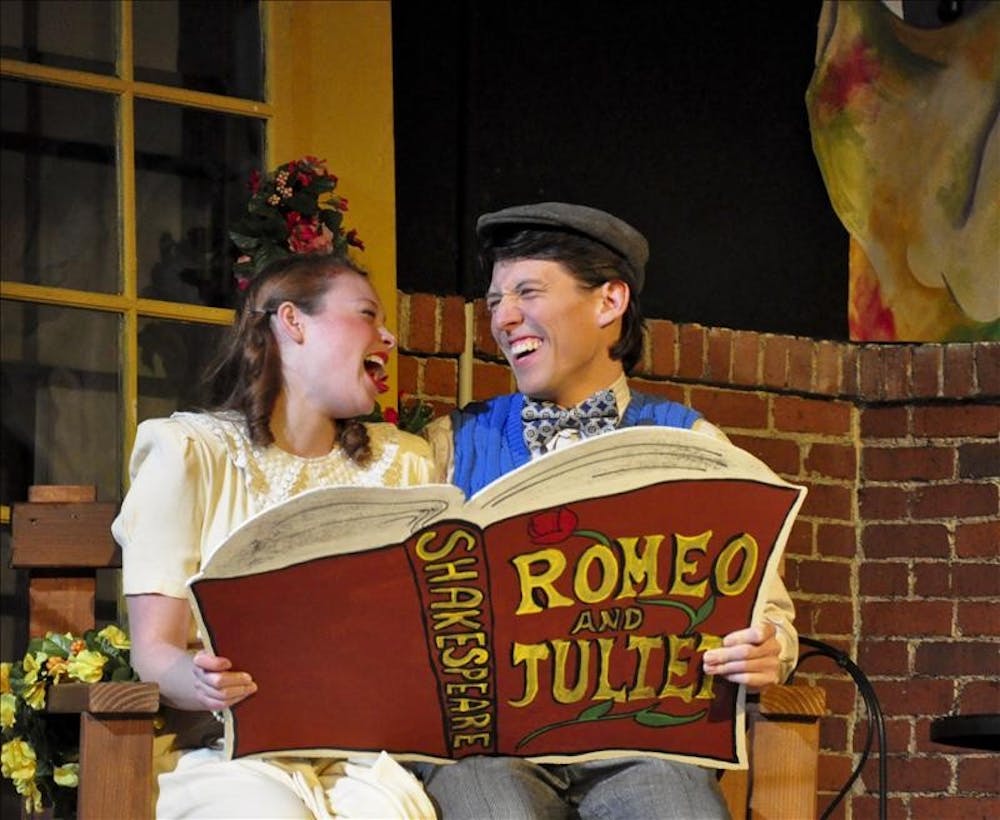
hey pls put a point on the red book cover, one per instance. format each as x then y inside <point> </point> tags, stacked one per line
<point>559,614</point>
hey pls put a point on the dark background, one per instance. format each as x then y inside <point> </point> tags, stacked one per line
<point>686,119</point>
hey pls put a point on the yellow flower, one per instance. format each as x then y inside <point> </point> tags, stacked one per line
<point>32,666</point>
<point>8,710</point>
<point>57,668</point>
<point>32,796</point>
<point>68,775</point>
<point>17,761</point>
<point>114,636</point>
<point>87,666</point>
<point>4,678</point>
<point>34,695</point>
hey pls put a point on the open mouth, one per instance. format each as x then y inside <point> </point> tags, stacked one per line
<point>375,368</point>
<point>524,347</point>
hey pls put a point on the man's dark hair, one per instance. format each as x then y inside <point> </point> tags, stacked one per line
<point>590,262</point>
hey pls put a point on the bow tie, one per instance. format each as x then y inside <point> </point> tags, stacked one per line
<point>543,420</point>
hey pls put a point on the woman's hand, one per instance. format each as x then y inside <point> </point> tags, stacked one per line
<point>749,656</point>
<point>216,686</point>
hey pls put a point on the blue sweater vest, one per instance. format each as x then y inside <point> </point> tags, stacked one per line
<point>489,438</point>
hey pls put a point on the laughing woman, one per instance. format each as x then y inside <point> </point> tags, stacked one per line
<point>306,355</point>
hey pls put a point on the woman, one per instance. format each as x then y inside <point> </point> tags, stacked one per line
<point>306,354</point>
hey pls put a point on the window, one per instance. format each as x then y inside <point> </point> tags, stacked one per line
<point>128,132</point>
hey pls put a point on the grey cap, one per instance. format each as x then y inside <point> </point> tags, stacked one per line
<point>600,226</point>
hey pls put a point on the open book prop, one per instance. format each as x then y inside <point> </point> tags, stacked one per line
<point>560,613</point>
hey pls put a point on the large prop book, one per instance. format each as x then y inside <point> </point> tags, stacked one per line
<point>560,613</point>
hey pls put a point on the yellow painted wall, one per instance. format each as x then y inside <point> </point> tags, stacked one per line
<point>329,74</point>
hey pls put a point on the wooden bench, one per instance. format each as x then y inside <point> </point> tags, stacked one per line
<point>62,536</point>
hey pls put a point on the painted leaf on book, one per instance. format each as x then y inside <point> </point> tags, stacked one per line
<point>559,614</point>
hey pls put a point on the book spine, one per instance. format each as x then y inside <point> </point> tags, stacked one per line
<point>449,565</point>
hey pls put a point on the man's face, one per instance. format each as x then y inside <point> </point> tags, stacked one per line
<point>554,332</point>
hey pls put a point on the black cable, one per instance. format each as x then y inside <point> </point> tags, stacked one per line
<point>876,722</point>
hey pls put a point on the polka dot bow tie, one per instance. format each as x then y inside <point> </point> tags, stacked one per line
<point>543,420</point>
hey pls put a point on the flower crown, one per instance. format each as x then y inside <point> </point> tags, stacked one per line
<point>291,210</point>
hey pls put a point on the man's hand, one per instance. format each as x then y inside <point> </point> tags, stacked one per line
<point>749,656</point>
<point>215,686</point>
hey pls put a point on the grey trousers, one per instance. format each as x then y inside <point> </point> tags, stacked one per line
<point>629,788</point>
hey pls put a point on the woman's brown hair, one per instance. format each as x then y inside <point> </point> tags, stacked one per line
<point>246,375</point>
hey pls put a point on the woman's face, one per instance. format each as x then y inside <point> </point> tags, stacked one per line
<point>341,362</point>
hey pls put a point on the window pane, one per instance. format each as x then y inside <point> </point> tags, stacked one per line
<point>58,191</point>
<point>60,392</point>
<point>214,47</point>
<point>191,171</point>
<point>172,361</point>
<point>78,34</point>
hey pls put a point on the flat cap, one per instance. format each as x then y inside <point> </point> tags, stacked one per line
<point>600,226</point>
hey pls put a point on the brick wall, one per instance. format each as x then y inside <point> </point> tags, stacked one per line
<point>894,557</point>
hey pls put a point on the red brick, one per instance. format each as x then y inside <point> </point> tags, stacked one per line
<point>883,503</point>
<point>965,500</point>
<point>829,501</point>
<point>975,579</point>
<point>833,771</point>
<point>774,367</point>
<point>833,733</point>
<point>442,408</point>
<point>896,372</point>
<point>800,539</point>
<point>745,357</point>
<point>906,617</point>
<point>828,368</point>
<point>452,325</point>
<point>978,696</point>
<point>811,415</point>
<point>907,463</point>
<point>898,733</point>
<point>988,368</point>
<point>978,774</point>
<point>932,579</point>
<point>849,369</point>
<point>832,460</point>
<point>422,323</point>
<point>441,377</point>
<point>978,619</point>
<point>483,341</point>
<point>870,372</point>
<point>955,807</point>
<point>979,460</point>
<point>926,367</point>
<point>668,390</point>
<point>884,579</point>
<point>886,657</point>
<point>915,696</point>
<point>958,371</point>
<point>781,455</point>
<point>663,345</point>
<point>956,420</point>
<point>911,773</point>
<point>885,422</point>
<point>800,364</point>
<point>838,540</point>
<point>834,618</point>
<point>904,540</point>
<point>720,354</point>
<point>867,807</point>
<point>730,408</point>
<point>408,368</point>
<point>977,540</point>
<point>956,658</point>
<point>822,577</point>
<point>692,352</point>
<point>489,379</point>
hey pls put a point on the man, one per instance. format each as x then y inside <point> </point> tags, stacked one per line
<point>565,312</point>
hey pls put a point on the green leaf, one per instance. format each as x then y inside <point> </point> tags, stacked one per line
<point>244,242</point>
<point>596,712</point>
<point>657,720</point>
<point>599,537</point>
<point>704,611</point>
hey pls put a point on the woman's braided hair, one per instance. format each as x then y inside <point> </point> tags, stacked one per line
<point>246,375</point>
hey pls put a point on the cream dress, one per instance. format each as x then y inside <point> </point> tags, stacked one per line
<point>195,477</point>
